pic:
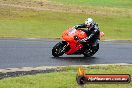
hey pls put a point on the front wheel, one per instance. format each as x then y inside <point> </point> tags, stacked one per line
<point>59,49</point>
<point>91,51</point>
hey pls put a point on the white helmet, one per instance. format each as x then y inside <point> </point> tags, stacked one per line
<point>89,21</point>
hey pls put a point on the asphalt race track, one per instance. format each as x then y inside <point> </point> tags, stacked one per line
<point>32,53</point>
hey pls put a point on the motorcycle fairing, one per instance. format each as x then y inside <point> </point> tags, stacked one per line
<point>68,36</point>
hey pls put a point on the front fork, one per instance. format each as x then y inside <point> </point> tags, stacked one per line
<point>65,47</point>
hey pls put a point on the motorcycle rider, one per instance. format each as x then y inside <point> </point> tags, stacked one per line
<point>92,32</point>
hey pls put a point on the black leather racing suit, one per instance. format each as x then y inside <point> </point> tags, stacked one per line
<point>93,33</point>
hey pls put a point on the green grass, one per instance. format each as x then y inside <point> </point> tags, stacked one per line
<point>24,23</point>
<point>29,23</point>
<point>48,24</point>
<point>106,3</point>
<point>66,79</point>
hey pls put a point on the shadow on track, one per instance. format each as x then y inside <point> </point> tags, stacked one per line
<point>78,60</point>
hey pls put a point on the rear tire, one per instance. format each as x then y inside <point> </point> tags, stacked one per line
<point>57,49</point>
<point>91,51</point>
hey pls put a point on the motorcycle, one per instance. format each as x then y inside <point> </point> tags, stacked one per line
<point>71,46</point>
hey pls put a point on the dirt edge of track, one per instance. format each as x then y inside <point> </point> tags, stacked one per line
<point>16,72</point>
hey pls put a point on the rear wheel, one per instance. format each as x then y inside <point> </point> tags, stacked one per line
<point>59,49</point>
<point>91,50</point>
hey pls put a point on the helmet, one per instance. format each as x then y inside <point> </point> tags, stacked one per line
<point>89,21</point>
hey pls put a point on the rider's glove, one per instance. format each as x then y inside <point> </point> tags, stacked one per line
<point>76,26</point>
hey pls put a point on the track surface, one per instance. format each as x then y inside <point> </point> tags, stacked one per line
<point>31,53</point>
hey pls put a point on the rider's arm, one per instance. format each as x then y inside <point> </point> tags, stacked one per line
<point>80,26</point>
<point>95,31</point>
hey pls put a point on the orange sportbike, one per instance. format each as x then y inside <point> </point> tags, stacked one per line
<point>70,46</point>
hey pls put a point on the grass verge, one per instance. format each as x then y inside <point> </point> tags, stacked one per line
<point>66,79</point>
<point>22,22</point>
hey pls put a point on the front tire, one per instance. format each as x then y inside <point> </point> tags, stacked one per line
<point>58,49</point>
